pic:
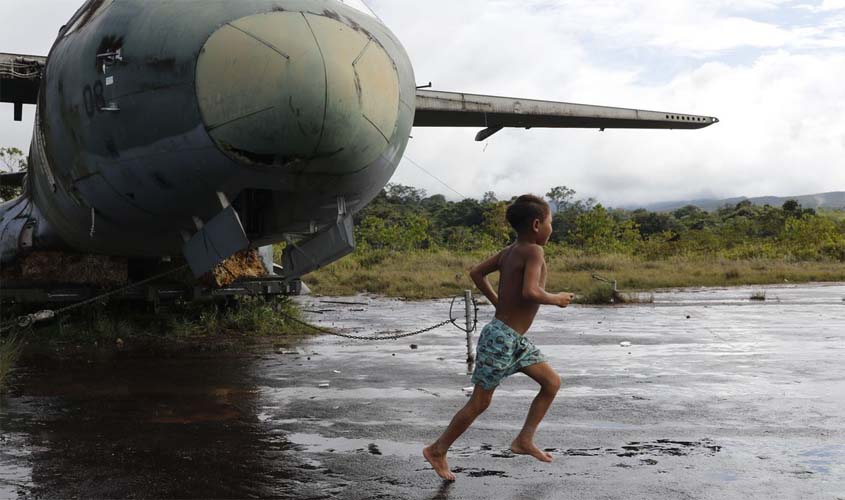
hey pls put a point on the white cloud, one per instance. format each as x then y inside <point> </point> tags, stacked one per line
<point>833,5</point>
<point>771,70</point>
<point>781,129</point>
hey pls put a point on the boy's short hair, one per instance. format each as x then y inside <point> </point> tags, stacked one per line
<point>525,209</point>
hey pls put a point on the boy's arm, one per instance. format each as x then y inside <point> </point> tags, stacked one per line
<point>479,277</point>
<point>531,289</point>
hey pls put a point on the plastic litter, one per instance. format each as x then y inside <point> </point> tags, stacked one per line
<point>625,344</point>
<point>324,385</point>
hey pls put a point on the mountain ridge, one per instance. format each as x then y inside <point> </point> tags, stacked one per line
<point>831,200</point>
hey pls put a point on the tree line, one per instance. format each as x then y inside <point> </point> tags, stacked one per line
<point>405,218</point>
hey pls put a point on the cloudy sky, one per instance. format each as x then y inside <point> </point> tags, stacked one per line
<point>773,71</point>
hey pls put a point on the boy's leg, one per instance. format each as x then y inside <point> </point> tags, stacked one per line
<point>436,452</point>
<point>549,382</point>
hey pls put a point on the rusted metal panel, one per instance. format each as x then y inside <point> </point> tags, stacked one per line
<point>320,250</point>
<point>21,62</point>
<point>20,79</point>
<point>449,109</point>
<point>219,239</point>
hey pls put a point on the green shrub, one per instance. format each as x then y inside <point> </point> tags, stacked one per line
<point>599,294</point>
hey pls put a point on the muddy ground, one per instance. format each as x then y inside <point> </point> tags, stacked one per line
<point>717,397</point>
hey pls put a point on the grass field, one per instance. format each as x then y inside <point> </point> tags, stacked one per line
<point>10,350</point>
<point>104,324</point>
<point>441,273</point>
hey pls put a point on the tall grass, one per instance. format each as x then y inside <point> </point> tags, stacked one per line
<point>247,316</point>
<point>10,351</point>
<point>114,323</point>
<point>442,273</point>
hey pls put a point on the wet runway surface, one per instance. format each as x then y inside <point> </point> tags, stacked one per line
<point>716,397</point>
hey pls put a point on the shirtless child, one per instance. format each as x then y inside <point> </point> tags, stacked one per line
<point>502,347</point>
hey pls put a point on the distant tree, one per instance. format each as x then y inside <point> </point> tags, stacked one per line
<point>693,218</point>
<point>405,195</point>
<point>495,224</point>
<point>805,236</point>
<point>434,203</point>
<point>792,207</point>
<point>565,220</point>
<point>654,223</point>
<point>411,232</point>
<point>468,212</point>
<point>594,230</point>
<point>489,198</point>
<point>464,239</point>
<point>689,211</point>
<point>560,196</point>
<point>745,208</point>
<point>11,160</point>
<point>769,221</point>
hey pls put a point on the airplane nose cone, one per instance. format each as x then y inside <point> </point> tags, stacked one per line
<point>298,90</point>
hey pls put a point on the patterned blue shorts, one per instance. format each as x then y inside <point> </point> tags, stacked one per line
<point>501,352</point>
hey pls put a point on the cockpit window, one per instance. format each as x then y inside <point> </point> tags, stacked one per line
<point>359,5</point>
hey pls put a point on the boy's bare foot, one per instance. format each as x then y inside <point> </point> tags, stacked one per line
<point>438,461</point>
<point>530,449</point>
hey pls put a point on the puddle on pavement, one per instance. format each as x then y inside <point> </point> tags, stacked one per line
<point>155,427</point>
<point>209,426</point>
<point>826,460</point>
<point>315,443</point>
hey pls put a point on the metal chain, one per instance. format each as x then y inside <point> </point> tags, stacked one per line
<point>455,322</point>
<point>395,336</point>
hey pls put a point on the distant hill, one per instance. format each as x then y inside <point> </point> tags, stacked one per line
<point>834,200</point>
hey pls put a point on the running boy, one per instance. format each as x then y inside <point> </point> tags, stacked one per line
<point>502,347</point>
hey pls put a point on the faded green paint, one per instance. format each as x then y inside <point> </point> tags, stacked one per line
<point>214,96</point>
<point>261,88</point>
<point>298,90</point>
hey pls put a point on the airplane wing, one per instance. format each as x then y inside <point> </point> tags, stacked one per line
<point>450,109</point>
<point>20,78</point>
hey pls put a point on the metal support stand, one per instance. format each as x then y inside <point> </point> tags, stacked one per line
<point>469,313</point>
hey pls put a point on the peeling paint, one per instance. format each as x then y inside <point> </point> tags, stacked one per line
<point>109,43</point>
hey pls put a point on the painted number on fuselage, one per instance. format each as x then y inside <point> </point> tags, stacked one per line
<point>94,99</point>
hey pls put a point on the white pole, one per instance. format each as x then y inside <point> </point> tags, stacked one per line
<point>470,326</point>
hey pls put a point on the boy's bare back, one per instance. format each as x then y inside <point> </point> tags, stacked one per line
<point>519,264</point>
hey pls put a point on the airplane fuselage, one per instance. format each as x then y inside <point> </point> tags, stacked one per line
<point>150,109</point>
<point>203,127</point>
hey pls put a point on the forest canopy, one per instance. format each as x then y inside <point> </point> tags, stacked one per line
<point>405,218</point>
